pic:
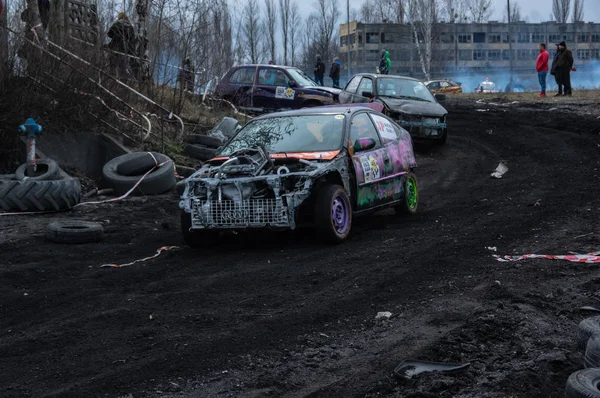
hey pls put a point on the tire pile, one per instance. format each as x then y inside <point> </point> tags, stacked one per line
<point>51,189</point>
<point>586,383</point>
<point>123,172</point>
<point>204,147</point>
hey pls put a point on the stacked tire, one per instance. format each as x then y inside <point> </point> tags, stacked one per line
<point>50,189</point>
<point>151,173</point>
<point>586,383</point>
<point>204,147</point>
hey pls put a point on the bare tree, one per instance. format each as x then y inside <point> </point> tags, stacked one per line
<point>422,17</point>
<point>383,11</point>
<point>577,11</point>
<point>284,12</point>
<point>3,42</point>
<point>479,11</point>
<point>252,31</point>
<point>295,24</point>
<point>561,10</point>
<point>515,12</point>
<point>326,17</point>
<point>270,25</point>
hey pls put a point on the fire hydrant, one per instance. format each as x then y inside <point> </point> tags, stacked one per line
<point>30,129</point>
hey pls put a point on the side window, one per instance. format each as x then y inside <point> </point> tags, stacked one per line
<point>386,129</point>
<point>352,85</point>
<point>434,86</point>
<point>445,84</point>
<point>362,127</point>
<point>243,76</point>
<point>366,84</point>
<point>272,77</point>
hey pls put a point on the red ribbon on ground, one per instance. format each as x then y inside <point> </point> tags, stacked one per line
<point>590,258</point>
<point>158,252</point>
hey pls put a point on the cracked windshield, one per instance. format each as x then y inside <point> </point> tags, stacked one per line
<point>402,88</point>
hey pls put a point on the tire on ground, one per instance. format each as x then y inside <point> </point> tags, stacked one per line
<point>587,328</point>
<point>74,231</point>
<point>159,181</point>
<point>199,152</point>
<point>583,384</point>
<point>33,195</point>
<point>201,139</point>
<point>591,358</point>
<point>227,127</point>
<point>47,169</point>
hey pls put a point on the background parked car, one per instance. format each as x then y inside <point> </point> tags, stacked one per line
<point>444,86</point>
<point>272,87</point>
<point>487,87</point>
<point>406,100</point>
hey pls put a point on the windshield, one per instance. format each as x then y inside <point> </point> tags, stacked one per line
<point>301,78</point>
<point>310,133</point>
<point>402,88</point>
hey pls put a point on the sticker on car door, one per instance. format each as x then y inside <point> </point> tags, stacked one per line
<point>370,168</point>
<point>285,93</point>
<point>386,130</point>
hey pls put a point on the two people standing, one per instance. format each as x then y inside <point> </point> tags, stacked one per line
<point>334,71</point>
<point>562,65</point>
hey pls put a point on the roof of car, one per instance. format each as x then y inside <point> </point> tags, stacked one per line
<point>379,75</point>
<point>274,66</point>
<point>438,80</point>
<point>317,110</point>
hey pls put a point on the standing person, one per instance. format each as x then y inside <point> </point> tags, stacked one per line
<point>334,72</point>
<point>541,66</point>
<point>122,35</point>
<point>554,72</point>
<point>319,71</point>
<point>564,67</point>
<point>383,70</point>
<point>186,75</point>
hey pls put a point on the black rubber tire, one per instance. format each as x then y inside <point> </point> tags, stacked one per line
<point>197,239</point>
<point>201,139</point>
<point>159,181</point>
<point>323,218</point>
<point>138,163</point>
<point>32,195</point>
<point>227,126</point>
<point>74,231</point>
<point>404,208</point>
<point>583,384</point>
<point>591,358</point>
<point>47,170</point>
<point>199,152</point>
<point>587,328</point>
<point>7,177</point>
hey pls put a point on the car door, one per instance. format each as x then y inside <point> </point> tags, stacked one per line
<point>239,87</point>
<point>371,164</point>
<point>434,87</point>
<point>272,89</point>
<point>345,96</point>
<point>365,86</point>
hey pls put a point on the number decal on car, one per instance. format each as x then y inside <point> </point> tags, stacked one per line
<point>285,93</point>
<point>370,168</point>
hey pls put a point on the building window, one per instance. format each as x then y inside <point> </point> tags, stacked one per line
<point>506,54</point>
<point>450,56</point>
<point>389,38</point>
<point>465,55</point>
<point>494,55</point>
<point>523,54</point>
<point>554,38</point>
<point>504,37</point>
<point>595,53</point>
<point>494,38</point>
<point>373,38</point>
<point>372,55</point>
<point>479,37</point>
<point>465,38</point>
<point>583,54</point>
<point>478,55</point>
<point>595,38</point>
<point>343,41</point>
<point>583,38</point>
<point>538,38</point>
<point>447,38</point>
<point>524,38</point>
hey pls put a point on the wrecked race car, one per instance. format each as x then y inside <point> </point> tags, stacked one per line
<point>317,166</point>
<point>406,100</point>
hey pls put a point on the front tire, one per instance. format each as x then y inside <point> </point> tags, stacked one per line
<point>410,202</point>
<point>197,239</point>
<point>333,214</point>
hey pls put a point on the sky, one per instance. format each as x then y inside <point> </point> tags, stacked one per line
<point>534,10</point>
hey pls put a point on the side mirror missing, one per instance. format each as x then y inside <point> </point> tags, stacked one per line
<point>364,144</point>
<point>367,94</point>
<point>440,97</point>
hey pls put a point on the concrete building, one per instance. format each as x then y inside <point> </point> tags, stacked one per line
<point>462,47</point>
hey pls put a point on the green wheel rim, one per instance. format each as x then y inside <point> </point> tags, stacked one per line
<point>412,196</point>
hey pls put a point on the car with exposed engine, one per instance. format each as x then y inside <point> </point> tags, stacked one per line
<point>405,100</point>
<point>444,86</point>
<point>318,167</point>
<point>265,88</point>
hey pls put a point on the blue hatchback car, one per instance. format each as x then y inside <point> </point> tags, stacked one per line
<point>273,87</point>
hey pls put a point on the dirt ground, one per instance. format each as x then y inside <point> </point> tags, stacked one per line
<point>282,315</point>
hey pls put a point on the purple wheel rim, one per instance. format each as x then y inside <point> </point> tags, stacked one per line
<point>340,214</point>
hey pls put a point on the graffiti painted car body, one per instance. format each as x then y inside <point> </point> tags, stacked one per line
<point>406,100</point>
<point>318,166</point>
<point>272,87</point>
<point>444,86</point>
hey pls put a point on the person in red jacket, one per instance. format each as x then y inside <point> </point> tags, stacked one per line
<point>541,66</point>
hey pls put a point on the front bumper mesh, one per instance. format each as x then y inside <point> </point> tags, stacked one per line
<point>252,213</point>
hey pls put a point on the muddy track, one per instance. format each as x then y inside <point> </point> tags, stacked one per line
<point>282,315</point>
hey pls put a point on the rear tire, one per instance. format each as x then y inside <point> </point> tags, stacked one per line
<point>333,214</point>
<point>583,384</point>
<point>197,239</point>
<point>199,152</point>
<point>410,202</point>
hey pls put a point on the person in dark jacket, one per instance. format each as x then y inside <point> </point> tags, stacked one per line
<point>553,73</point>
<point>319,71</point>
<point>564,65</point>
<point>385,63</point>
<point>186,76</point>
<point>334,72</point>
<point>122,37</point>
